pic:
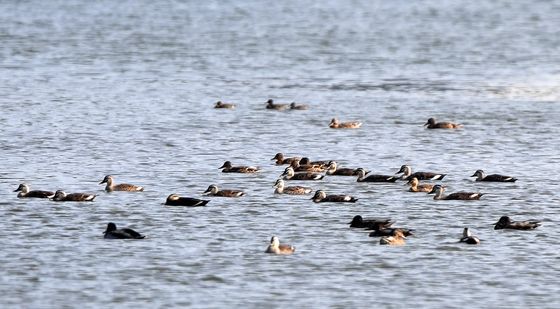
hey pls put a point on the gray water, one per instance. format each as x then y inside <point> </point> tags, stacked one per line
<point>127,88</point>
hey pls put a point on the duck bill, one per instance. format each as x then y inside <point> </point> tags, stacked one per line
<point>223,166</point>
<point>473,175</point>
<point>102,182</point>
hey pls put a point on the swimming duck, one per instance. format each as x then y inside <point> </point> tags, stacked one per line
<point>416,187</point>
<point>306,161</point>
<point>277,248</point>
<point>333,169</point>
<point>390,231</point>
<point>439,189</point>
<point>307,168</point>
<point>61,196</point>
<point>213,190</point>
<point>271,105</point>
<point>280,159</point>
<point>506,223</point>
<point>221,104</point>
<point>371,223</point>
<point>407,174</point>
<point>398,239</point>
<point>481,176</point>
<point>321,197</point>
<point>469,238</point>
<point>113,233</point>
<point>24,191</point>
<point>335,124</point>
<point>293,105</point>
<point>120,187</point>
<point>289,174</point>
<point>374,178</point>
<point>432,124</point>
<point>292,190</point>
<point>176,200</point>
<point>228,168</point>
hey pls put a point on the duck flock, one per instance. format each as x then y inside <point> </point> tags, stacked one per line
<point>297,179</point>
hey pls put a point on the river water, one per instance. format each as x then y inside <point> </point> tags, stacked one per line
<point>127,88</point>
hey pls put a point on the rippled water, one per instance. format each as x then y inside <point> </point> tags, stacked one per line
<point>127,88</point>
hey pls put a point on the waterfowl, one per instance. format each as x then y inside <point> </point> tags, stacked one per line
<point>407,174</point>
<point>292,190</point>
<point>228,168</point>
<point>333,169</point>
<point>113,233</point>
<point>306,161</point>
<point>481,176</point>
<point>439,189</point>
<point>506,223</point>
<point>321,197</point>
<point>61,196</point>
<point>24,191</point>
<point>289,174</point>
<point>277,248</point>
<point>280,159</point>
<point>390,231</point>
<point>374,178</point>
<point>293,105</point>
<point>221,104</point>
<point>307,168</point>
<point>416,187</point>
<point>432,124</point>
<point>398,239</point>
<point>469,238</point>
<point>371,223</point>
<point>271,105</point>
<point>335,124</point>
<point>176,200</point>
<point>120,187</point>
<point>213,190</point>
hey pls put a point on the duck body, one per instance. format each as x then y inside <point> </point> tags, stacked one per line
<point>408,175</point>
<point>373,178</point>
<point>295,106</point>
<point>176,200</point>
<point>61,196</point>
<point>335,124</point>
<point>481,176</point>
<point>306,161</point>
<point>113,233</point>
<point>276,247</point>
<point>370,223</point>
<point>322,197</point>
<point>390,231</point>
<point>505,222</point>
<point>280,159</point>
<point>274,106</point>
<point>24,192</point>
<point>398,239</point>
<point>432,124</point>
<point>227,167</point>
<point>334,170</point>
<point>110,187</point>
<point>221,104</point>
<point>289,174</point>
<point>214,191</point>
<point>292,190</point>
<point>307,168</point>
<point>415,186</point>
<point>439,190</point>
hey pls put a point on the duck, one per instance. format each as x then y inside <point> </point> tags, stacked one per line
<point>407,174</point>
<point>280,159</point>
<point>61,196</point>
<point>24,192</point>
<point>271,105</point>
<point>214,191</point>
<point>335,124</point>
<point>374,178</point>
<point>120,187</point>
<point>306,161</point>
<point>307,168</point>
<point>292,190</point>
<point>372,223</point>
<point>228,168</point>
<point>481,176</point>
<point>333,169</point>
<point>390,231</point>
<point>469,238</point>
<point>432,124</point>
<point>439,189</point>
<point>221,104</point>
<point>176,200</point>
<point>289,174</point>
<point>505,222</point>
<point>293,105</point>
<point>397,239</point>
<point>277,248</point>
<point>321,197</point>
<point>416,187</point>
<point>113,233</point>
